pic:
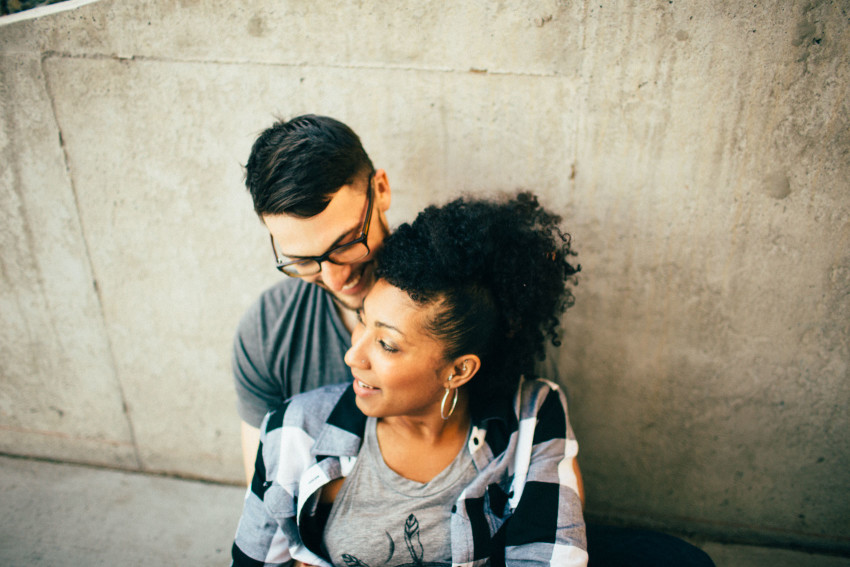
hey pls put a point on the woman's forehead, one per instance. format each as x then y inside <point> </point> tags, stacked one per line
<point>392,306</point>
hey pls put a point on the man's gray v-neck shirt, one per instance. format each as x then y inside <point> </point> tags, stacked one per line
<point>290,340</point>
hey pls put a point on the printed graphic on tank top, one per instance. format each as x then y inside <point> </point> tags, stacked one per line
<point>381,519</point>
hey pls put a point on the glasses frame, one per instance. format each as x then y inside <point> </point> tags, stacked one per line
<point>363,236</point>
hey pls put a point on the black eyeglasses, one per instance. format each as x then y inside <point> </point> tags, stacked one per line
<point>346,253</point>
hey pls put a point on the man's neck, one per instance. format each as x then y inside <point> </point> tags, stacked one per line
<point>348,316</point>
<point>346,313</point>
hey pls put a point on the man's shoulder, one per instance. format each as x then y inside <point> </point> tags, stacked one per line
<point>286,298</point>
<point>285,293</point>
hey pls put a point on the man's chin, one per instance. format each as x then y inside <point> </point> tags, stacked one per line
<point>347,301</point>
<point>352,302</point>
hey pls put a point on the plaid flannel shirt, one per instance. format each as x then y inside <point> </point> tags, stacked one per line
<point>522,508</point>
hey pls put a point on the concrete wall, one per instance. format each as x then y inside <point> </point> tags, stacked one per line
<point>699,152</point>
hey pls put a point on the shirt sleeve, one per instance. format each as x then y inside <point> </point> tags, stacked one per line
<point>547,525</point>
<point>262,539</point>
<point>258,390</point>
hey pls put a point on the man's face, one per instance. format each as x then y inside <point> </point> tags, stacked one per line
<point>338,224</point>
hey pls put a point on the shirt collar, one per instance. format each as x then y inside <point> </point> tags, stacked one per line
<point>498,419</point>
<point>342,434</point>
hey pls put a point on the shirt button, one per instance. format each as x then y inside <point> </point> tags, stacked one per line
<point>454,509</point>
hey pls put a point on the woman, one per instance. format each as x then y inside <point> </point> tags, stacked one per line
<point>440,452</point>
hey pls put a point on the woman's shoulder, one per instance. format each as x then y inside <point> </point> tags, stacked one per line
<point>325,396</point>
<point>308,411</point>
<point>540,397</point>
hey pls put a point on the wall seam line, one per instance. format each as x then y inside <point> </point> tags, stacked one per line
<point>87,251</point>
<point>240,62</point>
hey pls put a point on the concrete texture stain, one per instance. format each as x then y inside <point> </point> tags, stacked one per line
<point>807,32</point>
<point>543,20</point>
<point>777,185</point>
<point>256,27</point>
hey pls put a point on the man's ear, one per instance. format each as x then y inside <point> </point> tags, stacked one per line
<point>383,193</point>
<point>464,369</point>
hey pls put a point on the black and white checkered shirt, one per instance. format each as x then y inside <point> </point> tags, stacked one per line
<point>522,507</point>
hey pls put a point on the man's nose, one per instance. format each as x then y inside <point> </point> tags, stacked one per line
<point>335,276</point>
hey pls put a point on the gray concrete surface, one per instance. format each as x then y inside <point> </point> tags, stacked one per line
<point>66,515</point>
<point>63,515</point>
<point>697,150</point>
<point>728,555</point>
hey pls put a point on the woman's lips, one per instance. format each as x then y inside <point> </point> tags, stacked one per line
<point>361,388</point>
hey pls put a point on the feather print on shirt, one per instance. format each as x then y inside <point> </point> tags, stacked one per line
<point>414,547</point>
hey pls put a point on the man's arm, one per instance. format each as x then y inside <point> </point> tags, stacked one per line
<point>258,388</point>
<point>250,443</point>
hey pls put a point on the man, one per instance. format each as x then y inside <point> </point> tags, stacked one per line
<point>324,204</point>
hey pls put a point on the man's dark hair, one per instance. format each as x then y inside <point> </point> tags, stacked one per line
<point>296,167</point>
<point>497,270</point>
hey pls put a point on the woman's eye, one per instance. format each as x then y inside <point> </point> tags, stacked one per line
<point>387,347</point>
<point>359,316</point>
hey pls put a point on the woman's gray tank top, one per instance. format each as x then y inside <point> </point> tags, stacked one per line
<point>380,518</point>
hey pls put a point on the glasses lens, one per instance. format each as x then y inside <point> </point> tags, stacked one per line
<point>301,268</point>
<point>349,253</point>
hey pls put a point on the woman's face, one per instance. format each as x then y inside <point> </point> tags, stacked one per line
<point>399,369</point>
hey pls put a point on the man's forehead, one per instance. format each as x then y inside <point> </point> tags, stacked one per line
<point>312,236</point>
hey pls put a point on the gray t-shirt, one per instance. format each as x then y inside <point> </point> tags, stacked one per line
<point>381,518</point>
<point>289,341</point>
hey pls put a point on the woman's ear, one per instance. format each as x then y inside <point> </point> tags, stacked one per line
<point>464,369</point>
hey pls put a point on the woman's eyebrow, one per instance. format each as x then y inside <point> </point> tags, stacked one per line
<point>388,326</point>
<point>381,324</point>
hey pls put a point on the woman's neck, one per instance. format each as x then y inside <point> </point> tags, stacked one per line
<point>419,448</point>
<point>428,429</point>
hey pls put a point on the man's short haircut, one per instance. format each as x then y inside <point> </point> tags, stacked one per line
<point>296,167</point>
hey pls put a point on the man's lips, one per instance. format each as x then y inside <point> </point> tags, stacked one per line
<point>352,282</point>
<point>353,287</point>
<point>357,281</point>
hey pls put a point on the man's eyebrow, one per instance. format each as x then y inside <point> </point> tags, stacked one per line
<point>333,245</point>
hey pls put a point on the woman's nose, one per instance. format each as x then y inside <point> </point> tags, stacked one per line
<point>355,360</point>
<point>354,356</point>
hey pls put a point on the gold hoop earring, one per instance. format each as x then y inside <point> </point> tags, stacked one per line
<point>446,397</point>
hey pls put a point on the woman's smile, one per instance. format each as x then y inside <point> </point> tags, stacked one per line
<point>361,388</point>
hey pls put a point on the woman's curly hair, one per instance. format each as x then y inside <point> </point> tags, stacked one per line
<point>498,272</point>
